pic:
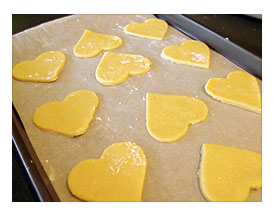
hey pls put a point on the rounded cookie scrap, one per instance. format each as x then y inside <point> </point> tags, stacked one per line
<point>70,117</point>
<point>169,116</point>
<point>227,174</point>
<point>118,176</point>
<point>115,68</point>
<point>91,44</point>
<point>239,88</point>
<point>191,53</point>
<point>45,68</point>
<point>151,28</point>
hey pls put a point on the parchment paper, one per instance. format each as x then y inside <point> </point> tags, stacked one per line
<point>172,167</point>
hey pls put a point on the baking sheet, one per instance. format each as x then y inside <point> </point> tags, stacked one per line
<point>172,167</point>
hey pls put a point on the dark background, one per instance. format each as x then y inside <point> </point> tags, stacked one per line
<point>243,30</point>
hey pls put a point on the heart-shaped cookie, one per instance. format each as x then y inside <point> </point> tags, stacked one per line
<point>45,68</point>
<point>239,89</point>
<point>191,53</point>
<point>91,44</point>
<point>115,68</point>
<point>118,175</point>
<point>227,174</point>
<point>169,116</point>
<point>70,117</point>
<point>151,28</point>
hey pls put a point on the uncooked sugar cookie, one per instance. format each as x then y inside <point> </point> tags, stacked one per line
<point>70,117</point>
<point>151,28</point>
<point>115,68</point>
<point>117,176</point>
<point>191,53</point>
<point>45,68</point>
<point>169,116</point>
<point>91,44</point>
<point>239,88</point>
<point>227,174</point>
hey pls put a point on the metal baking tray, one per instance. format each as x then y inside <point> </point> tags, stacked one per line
<point>236,54</point>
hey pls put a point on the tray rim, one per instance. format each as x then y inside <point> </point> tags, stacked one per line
<point>31,162</point>
<point>233,52</point>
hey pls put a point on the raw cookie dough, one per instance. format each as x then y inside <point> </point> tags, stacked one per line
<point>115,68</point>
<point>227,174</point>
<point>91,44</point>
<point>169,116</point>
<point>117,176</point>
<point>191,53</point>
<point>70,117</point>
<point>151,28</point>
<point>239,89</point>
<point>45,68</point>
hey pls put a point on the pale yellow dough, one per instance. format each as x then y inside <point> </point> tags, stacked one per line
<point>227,174</point>
<point>239,89</point>
<point>45,68</point>
<point>115,68</point>
<point>91,44</point>
<point>151,28</point>
<point>191,53</point>
<point>70,117</point>
<point>118,175</point>
<point>169,116</point>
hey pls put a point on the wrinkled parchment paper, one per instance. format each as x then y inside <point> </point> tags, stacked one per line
<point>172,167</point>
